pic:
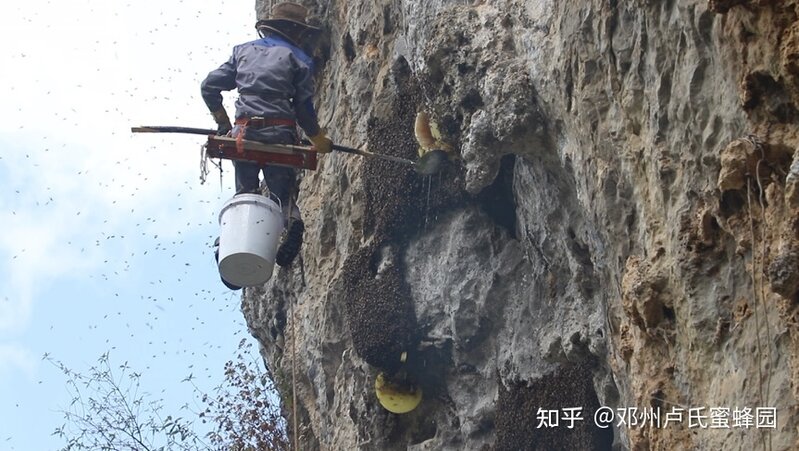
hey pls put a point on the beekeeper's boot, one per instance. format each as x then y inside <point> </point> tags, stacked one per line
<point>292,244</point>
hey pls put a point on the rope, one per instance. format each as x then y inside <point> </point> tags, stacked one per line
<point>762,271</point>
<point>293,375</point>
<point>758,289</point>
<point>754,291</point>
<point>204,165</point>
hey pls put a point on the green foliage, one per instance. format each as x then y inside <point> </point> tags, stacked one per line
<point>108,411</point>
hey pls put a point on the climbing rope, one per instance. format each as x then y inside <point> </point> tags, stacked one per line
<point>293,348</point>
<point>293,375</point>
<point>754,292</point>
<point>758,287</point>
<point>762,271</point>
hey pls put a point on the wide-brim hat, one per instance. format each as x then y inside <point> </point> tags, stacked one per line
<point>286,12</point>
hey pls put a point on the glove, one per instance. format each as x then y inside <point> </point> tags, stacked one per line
<point>222,122</point>
<point>223,130</point>
<point>321,142</point>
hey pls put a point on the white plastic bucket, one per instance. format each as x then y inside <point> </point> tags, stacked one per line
<point>250,231</point>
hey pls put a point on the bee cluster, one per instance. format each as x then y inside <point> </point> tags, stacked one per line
<point>519,405</point>
<point>379,310</point>
<point>399,202</point>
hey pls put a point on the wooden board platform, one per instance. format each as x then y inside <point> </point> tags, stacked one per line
<point>294,156</point>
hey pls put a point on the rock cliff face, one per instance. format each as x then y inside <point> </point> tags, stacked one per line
<point>619,226</point>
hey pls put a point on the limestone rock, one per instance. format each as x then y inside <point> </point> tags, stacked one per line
<point>618,226</point>
<point>738,160</point>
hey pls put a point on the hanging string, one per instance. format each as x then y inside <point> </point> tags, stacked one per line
<point>204,159</point>
<point>203,164</point>
<point>219,165</point>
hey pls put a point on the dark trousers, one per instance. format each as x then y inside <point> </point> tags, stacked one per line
<point>280,180</point>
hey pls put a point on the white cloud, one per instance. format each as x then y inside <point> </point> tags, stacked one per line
<point>76,76</point>
<point>14,357</point>
<point>59,212</point>
<point>72,173</point>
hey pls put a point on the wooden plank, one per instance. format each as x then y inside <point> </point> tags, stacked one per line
<point>259,146</point>
<point>299,157</point>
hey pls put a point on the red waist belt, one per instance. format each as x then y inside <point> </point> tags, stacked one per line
<point>260,122</point>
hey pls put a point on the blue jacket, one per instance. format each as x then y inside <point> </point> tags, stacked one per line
<point>274,79</point>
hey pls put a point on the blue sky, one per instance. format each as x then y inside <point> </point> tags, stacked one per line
<point>105,238</point>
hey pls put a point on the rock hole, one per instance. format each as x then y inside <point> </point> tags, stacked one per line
<point>484,425</point>
<point>569,91</point>
<point>349,47</point>
<point>330,395</point>
<point>362,35</point>
<point>472,101</point>
<point>705,26</point>
<point>668,314</point>
<point>464,68</point>
<point>497,200</point>
<point>280,320</point>
<point>451,124</point>
<point>779,157</point>
<point>462,39</point>
<point>631,220</point>
<point>731,203</point>
<point>374,263</point>
<point>435,75</point>
<point>722,6</point>
<point>425,429</point>
<point>401,70</point>
<point>697,79</point>
<point>388,25</point>
<point>579,250</point>
<point>714,224</point>
<point>757,83</point>
<point>785,112</point>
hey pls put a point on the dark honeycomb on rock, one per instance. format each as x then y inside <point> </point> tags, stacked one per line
<point>379,311</point>
<point>517,407</point>
<point>397,198</point>
<point>399,202</point>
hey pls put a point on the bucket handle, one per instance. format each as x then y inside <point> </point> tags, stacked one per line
<point>287,215</point>
<point>277,199</point>
<point>279,206</point>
